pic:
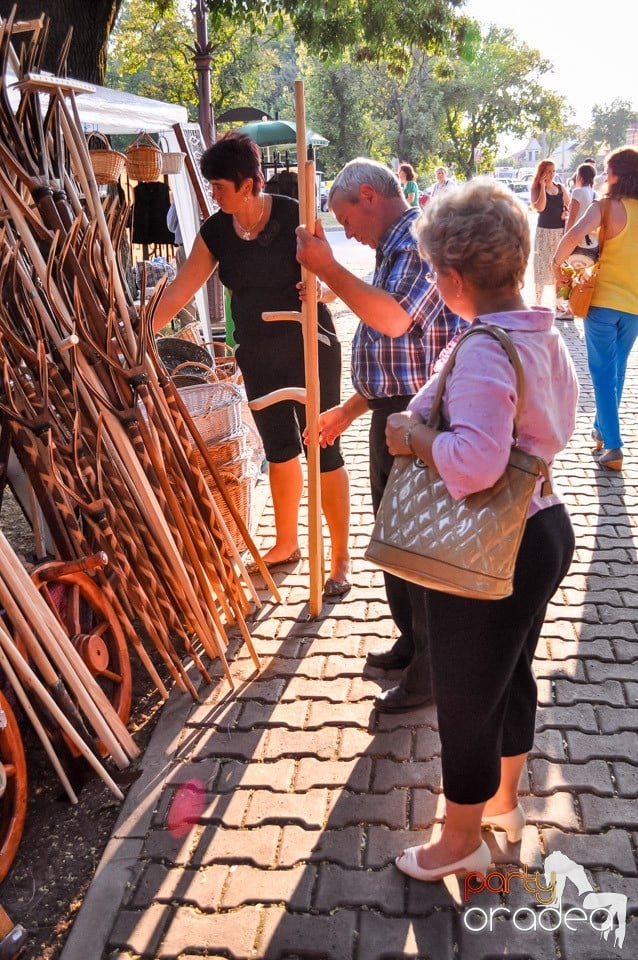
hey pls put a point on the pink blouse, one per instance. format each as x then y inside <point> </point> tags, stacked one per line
<point>480,401</point>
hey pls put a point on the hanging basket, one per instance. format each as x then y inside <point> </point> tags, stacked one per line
<point>107,164</point>
<point>144,159</point>
<point>172,162</point>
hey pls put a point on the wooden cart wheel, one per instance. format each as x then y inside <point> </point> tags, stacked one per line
<point>94,630</point>
<point>13,787</point>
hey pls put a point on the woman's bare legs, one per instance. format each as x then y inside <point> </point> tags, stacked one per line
<point>460,837</point>
<point>506,797</point>
<point>286,487</point>
<point>335,502</point>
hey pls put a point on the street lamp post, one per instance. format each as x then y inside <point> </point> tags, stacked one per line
<point>203,59</point>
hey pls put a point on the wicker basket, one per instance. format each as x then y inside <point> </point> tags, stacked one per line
<point>191,332</point>
<point>227,451</point>
<point>175,352</point>
<point>241,492</point>
<point>107,164</point>
<point>144,159</point>
<point>172,163</point>
<point>215,409</point>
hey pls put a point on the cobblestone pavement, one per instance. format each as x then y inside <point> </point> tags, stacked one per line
<point>308,796</point>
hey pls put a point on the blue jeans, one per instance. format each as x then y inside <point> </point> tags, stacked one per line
<point>609,336</point>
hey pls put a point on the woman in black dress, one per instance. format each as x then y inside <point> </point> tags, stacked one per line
<point>252,240</point>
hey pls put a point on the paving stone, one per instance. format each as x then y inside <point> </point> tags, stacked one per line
<point>610,691</point>
<point>549,743</point>
<point>225,743</point>
<point>426,808</point>
<point>568,668</point>
<point>561,650</point>
<point>291,715</point>
<point>199,888</point>
<point>610,849</point>
<point>343,846</point>
<point>300,688</point>
<point>500,937</point>
<point>308,808</point>
<point>384,846</point>
<point>361,889</point>
<point>602,812</point>
<point>310,667</point>
<point>141,931</point>
<point>613,671</point>
<point>343,643</point>
<point>427,744</point>
<point>594,776</point>
<point>613,746</point>
<point>347,808</point>
<point>342,666</point>
<point>219,844</point>
<point>352,774</point>
<point>215,714</point>
<point>396,744</point>
<point>291,887</point>
<point>626,776</point>
<point>559,809</point>
<point>389,774</point>
<point>347,714</point>
<point>284,933</point>
<point>418,938</point>
<point>304,743</point>
<point>593,631</point>
<point>580,716</point>
<point>615,719</point>
<point>624,650</point>
<point>232,934</point>
<point>278,774</point>
<point>585,941</point>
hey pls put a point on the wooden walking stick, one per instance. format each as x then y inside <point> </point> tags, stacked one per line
<point>310,395</point>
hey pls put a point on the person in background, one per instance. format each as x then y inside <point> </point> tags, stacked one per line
<point>583,195</point>
<point>407,176</point>
<point>611,325</point>
<point>252,240</point>
<point>403,328</point>
<point>551,200</point>
<point>441,183</point>
<point>477,240</point>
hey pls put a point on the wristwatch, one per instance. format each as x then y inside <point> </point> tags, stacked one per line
<point>407,436</point>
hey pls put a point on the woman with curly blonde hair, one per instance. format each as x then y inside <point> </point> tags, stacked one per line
<point>477,240</point>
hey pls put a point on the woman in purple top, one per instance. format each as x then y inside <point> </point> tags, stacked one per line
<point>477,240</point>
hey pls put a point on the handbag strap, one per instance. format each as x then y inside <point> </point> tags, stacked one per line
<point>602,230</point>
<point>497,333</point>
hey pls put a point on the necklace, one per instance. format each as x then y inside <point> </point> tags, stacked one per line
<point>245,232</point>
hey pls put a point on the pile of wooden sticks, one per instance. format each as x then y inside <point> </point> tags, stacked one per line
<point>87,406</point>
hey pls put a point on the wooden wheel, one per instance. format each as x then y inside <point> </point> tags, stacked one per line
<point>13,787</point>
<point>93,628</point>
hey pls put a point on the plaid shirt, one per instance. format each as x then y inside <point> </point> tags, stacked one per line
<point>385,366</point>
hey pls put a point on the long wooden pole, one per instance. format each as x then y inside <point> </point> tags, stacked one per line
<point>309,324</point>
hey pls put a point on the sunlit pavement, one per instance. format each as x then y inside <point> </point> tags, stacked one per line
<point>300,797</point>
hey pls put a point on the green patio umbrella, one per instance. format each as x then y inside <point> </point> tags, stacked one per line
<point>279,133</point>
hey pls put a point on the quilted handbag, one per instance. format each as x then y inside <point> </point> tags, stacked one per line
<point>466,547</point>
<point>583,283</point>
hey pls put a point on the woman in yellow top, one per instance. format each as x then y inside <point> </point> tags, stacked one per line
<point>611,325</point>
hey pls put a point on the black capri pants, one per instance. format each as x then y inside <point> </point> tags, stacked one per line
<point>482,652</point>
<point>280,363</point>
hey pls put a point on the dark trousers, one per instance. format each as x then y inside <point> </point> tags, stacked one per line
<point>482,652</point>
<point>405,600</point>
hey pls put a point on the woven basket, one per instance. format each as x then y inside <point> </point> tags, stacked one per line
<point>174,352</point>
<point>172,163</point>
<point>191,332</point>
<point>107,164</point>
<point>215,409</point>
<point>240,491</point>
<point>227,451</point>
<point>144,159</point>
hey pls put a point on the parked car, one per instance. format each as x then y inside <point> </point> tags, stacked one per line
<point>522,191</point>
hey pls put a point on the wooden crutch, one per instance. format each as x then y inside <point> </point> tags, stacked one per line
<point>310,395</point>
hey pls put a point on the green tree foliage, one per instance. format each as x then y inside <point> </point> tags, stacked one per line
<point>609,125</point>
<point>496,90</point>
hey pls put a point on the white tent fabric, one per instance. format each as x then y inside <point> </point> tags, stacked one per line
<point>114,111</point>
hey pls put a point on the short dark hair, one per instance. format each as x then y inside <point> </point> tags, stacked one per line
<point>408,170</point>
<point>587,172</point>
<point>233,157</point>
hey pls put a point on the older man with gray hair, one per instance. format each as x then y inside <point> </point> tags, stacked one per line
<point>403,327</point>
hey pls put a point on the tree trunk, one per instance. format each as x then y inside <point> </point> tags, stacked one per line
<point>92,23</point>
